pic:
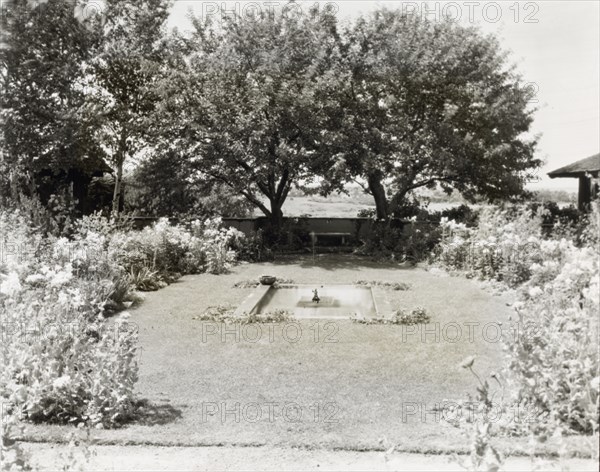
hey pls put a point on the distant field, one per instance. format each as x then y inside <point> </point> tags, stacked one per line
<point>334,207</point>
<point>342,206</point>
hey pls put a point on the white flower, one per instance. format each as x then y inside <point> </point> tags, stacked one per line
<point>61,382</point>
<point>10,284</point>
<point>63,298</point>
<point>62,277</point>
<point>535,291</point>
<point>34,278</point>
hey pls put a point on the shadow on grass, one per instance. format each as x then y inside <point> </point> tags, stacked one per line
<point>338,261</point>
<point>150,414</point>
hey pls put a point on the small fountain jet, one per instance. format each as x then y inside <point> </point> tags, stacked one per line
<point>316,296</point>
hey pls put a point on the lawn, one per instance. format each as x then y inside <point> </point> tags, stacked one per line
<point>352,384</point>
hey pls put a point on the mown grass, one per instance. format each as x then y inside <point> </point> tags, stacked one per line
<point>354,383</point>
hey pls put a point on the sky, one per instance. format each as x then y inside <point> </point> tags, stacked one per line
<point>555,45</point>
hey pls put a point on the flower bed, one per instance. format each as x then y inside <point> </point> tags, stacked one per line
<point>63,359</point>
<point>553,354</point>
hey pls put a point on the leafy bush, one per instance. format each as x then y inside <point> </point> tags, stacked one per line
<point>390,285</point>
<point>460,214</point>
<point>557,221</point>
<point>61,360</point>
<point>502,247</point>
<point>405,241</point>
<point>213,245</point>
<point>399,317</point>
<point>554,367</point>
<point>553,349</point>
<point>253,248</point>
<point>224,314</point>
<point>157,255</point>
<point>292,234</point>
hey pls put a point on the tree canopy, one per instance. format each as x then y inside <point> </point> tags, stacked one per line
<point>41,96</point>
<point>248,118</point>
<point>265,103</point>
<point>419,103</point>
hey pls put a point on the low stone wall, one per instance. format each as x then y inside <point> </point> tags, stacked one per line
<point>357,227</point>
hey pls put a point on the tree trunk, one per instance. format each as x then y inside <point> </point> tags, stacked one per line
<point>119,177</point>
<point>378,191</point>
<point>117,193</point>
<point>276,214</point>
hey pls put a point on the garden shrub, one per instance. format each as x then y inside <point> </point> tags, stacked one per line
<point>159,254</point>
<point>224,314</point>
<point>390,285</point>
<point>412,240</point>
<point>557,221</point>
<point>399,317</point>
<point>501,247</point>
<point>291,235</point>
<point>213,245</point>
<point>61,360</point>
<point>252,248</point>
<point>554,364</point>
<point>552,346</point>
<point>460,214</point>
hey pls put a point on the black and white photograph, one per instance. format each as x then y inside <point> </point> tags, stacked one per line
<point>299,235</point>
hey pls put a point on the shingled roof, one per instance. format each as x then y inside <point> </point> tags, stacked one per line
<point>589,165</point>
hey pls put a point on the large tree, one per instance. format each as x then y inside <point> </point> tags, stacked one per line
<point>166,184</point>
<point>42,98</point>
<point>418,104</point>
<point>245,105</point>
<point>123,75</point>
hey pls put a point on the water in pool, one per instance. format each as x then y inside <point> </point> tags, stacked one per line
<point>329,301</point>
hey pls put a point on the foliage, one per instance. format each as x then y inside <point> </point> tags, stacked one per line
<point>248,283</point>
<point>552,346</point>
<point>400,241</point>
<point>461,214</point>
<point>291,234</point>
<point>559,221</point>
<point>44,129</point>
<point>253,248</point>
<point>165,185</point>
<point>251,118</point>
<point>12,455</point>
<point>409,108</point>
<point>554,366</point>
<point>121,77</point>
<point>389,285</point>
<point>61,360</point>
<point>503,246</point>
<point>224,314</point>
<point>483,455</point>
<point>157,255</point>
<point>399,317</point>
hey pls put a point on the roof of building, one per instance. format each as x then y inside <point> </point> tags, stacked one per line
<point>589,165</point>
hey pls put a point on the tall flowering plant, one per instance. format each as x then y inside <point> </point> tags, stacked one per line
<point>61,360</point>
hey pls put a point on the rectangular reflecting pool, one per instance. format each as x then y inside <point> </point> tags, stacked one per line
<point>332,301</point>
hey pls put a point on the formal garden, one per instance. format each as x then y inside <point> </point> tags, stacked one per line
<point>482,339</point>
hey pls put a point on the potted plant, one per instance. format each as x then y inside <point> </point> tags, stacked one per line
<point>267,279</point>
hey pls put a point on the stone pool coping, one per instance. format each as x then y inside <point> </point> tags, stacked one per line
<point>250,303</point>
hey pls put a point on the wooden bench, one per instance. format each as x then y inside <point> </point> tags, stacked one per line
<point>315,236</point>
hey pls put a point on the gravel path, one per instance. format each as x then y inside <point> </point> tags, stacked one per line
<point>149,459</point>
